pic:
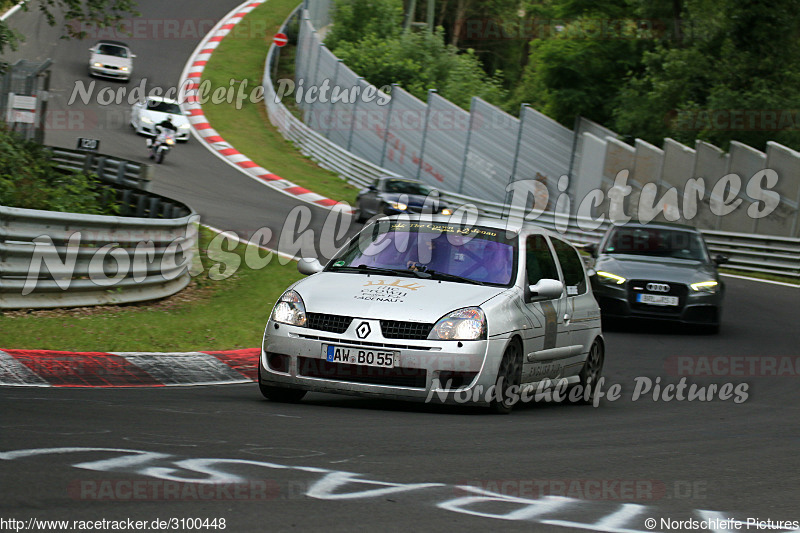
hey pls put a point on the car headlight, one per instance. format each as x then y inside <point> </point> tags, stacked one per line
<point>608,277</point>
<point>400,206</point>
<point>147,120</point>
<point>124,69</point>
<point>705,286</point>
<point>447,211</point>
<point>170,141</point>
<point>467,324</point>
<point>98,65</point>
<point>290,309</point>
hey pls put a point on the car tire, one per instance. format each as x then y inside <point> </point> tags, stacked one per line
<point>279,394</point>
<point>359,213</point>
<point>509,375</point>
<point>591,371</point>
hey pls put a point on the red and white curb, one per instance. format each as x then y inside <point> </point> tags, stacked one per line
<point>46,368</point>
<point>190,84</point>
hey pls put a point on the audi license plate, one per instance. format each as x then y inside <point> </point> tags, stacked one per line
<point>657,299</point>
<point>358,356</point>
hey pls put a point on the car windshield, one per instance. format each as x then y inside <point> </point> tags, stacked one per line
<point>164,107</point>
<point>407,187</point>
<point>112,50</point>
<point>658,242</point>
<point>448,252</point>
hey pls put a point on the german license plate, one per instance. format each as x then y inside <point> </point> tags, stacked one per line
<point>358,356</point>
<point>657,299</point>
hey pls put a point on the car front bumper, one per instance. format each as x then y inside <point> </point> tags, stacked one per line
<point>695,307</point>
<point>106,72</point>
<point>294,357</point>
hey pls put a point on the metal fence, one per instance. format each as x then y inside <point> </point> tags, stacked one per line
<point>50,259</point>
<point>747,252</point>
<point>478,153</point>
<point>23,97</point>
<point>107,168</point>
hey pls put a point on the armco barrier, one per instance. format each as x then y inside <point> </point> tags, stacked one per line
<point>108,169</point>
<point>50,259</point>
<point>753,253</point>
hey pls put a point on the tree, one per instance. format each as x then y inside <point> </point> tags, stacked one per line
<point>78,15</point>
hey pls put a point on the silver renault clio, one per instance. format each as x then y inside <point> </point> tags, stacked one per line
<point>426,309</point>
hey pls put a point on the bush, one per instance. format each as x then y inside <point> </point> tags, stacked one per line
<point>28,179</point>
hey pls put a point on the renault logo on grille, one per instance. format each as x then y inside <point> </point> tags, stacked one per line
<point>363,330</point>
<point>657,287</point>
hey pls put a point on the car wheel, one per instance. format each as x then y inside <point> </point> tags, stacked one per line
<point>591,371</point>
<point>278,394</point>
<point>359,212</point>
<point>509,376</point>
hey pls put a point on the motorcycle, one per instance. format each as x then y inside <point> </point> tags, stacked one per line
<point>159,146</point>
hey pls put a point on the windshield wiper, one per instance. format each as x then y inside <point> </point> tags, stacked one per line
<point>383,270</point>
<point>454,277</point>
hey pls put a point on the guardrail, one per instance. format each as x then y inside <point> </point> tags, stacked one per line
<point>50,259</point>
<point>753,253</point>
<point>109,169</point>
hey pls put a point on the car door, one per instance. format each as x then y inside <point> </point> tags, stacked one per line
<point>580,314</point>
<point>544,345</point>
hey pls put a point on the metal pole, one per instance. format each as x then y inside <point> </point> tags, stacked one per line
<point>522,114</point>
<point>466,146</point>
<point>335,79</point>
<point>355,111</point>
<point>424,132</point>
<point>388,123</point>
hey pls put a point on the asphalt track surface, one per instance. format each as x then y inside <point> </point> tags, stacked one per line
<point>346,464</point>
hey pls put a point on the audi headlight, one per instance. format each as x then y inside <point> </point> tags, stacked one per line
<point>400,206</point>
<point>447,211</point>
<point>290,309</point>
<point>467,324</point>
<point>705,286</point>
<point>608,277</point>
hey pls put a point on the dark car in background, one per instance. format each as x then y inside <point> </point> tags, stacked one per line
<point>657,271</point>
<point>392,196</point>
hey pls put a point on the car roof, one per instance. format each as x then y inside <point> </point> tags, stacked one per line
<point>115,43</point>
<point>658,225</point>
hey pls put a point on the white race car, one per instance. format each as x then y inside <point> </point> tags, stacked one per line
<point>146,115</point>
<point>111,59</point>
<point>422,308</point>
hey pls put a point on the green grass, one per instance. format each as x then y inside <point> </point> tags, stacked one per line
<point>211,315</point>
<point>241,56</point>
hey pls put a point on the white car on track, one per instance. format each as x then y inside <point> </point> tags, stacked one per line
<point>146,115</point>
<point>422,308</point>
<point>111,59</point>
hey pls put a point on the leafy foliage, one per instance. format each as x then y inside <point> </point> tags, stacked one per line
<point>417,61</point>
<point>29,180</point>
<point>78,16</point>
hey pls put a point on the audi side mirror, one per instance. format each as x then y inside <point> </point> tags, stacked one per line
<point>720,259</point>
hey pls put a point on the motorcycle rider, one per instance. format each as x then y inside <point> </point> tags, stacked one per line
<point>165,127</point>
<point>167,124</point>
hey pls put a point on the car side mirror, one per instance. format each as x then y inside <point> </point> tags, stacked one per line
<point>590,248</point>
<point>720,259</point>
<point>372,187</point>
<point>546,289</point>
<point>308,266</point>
